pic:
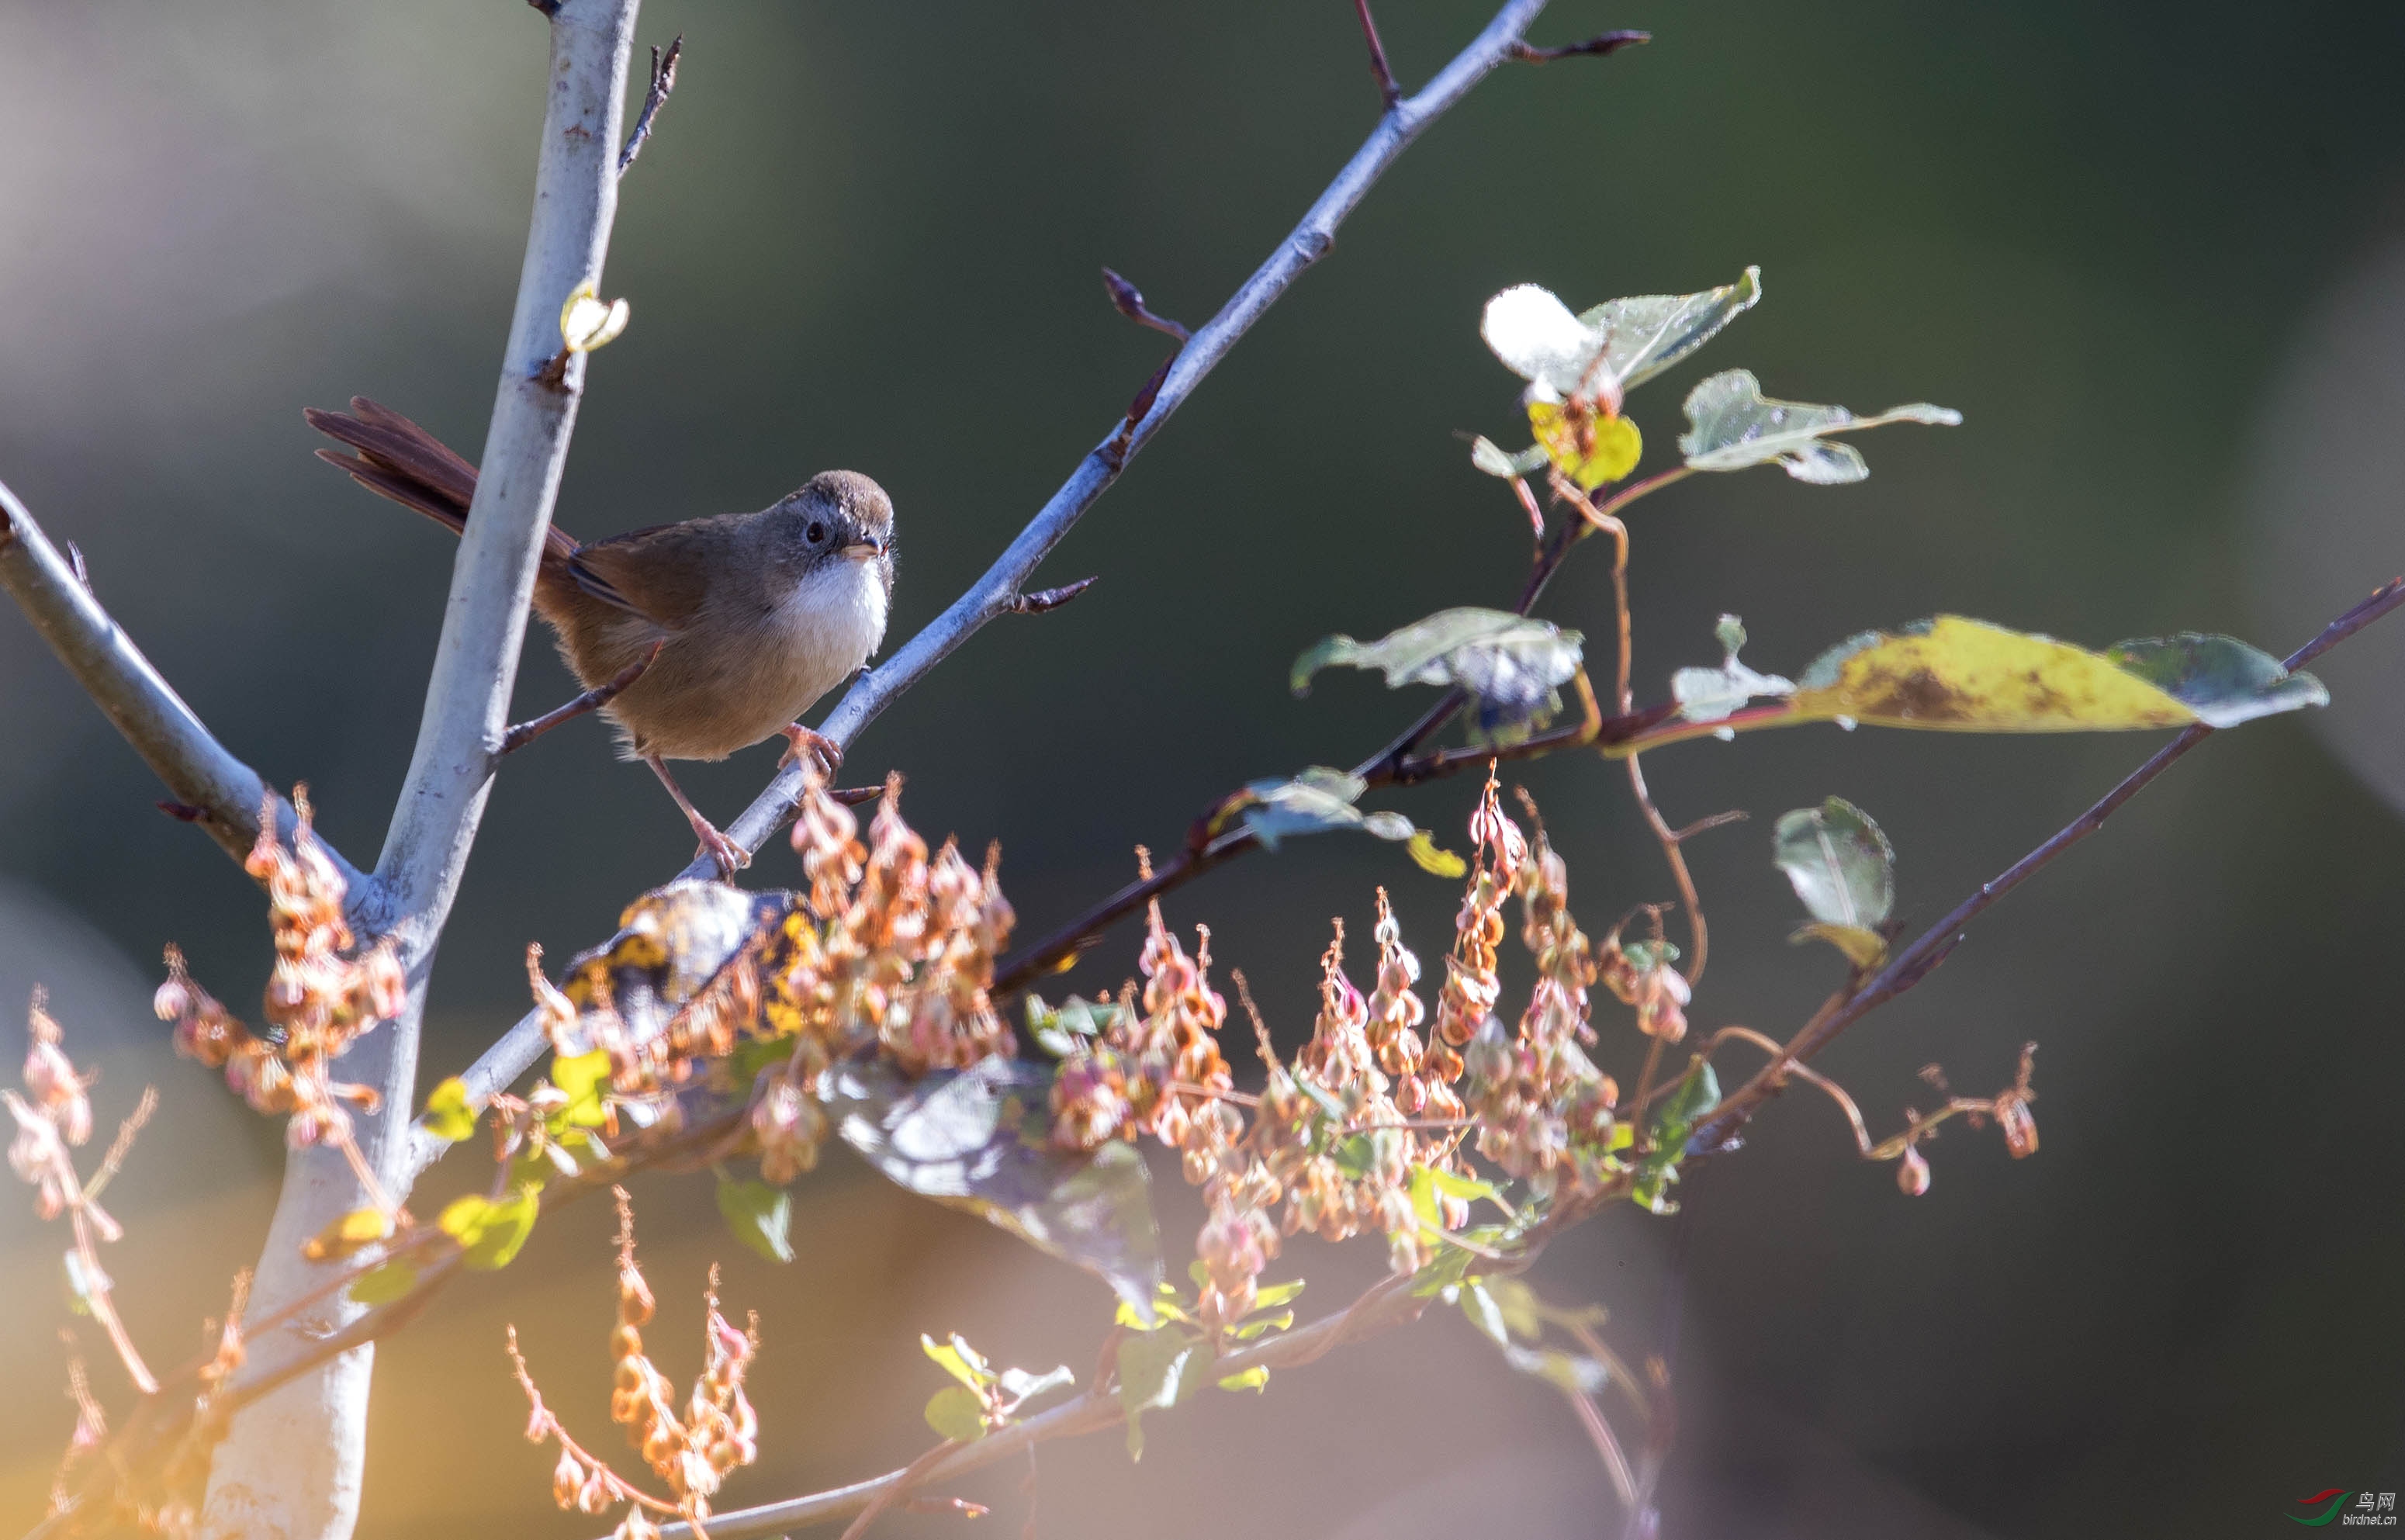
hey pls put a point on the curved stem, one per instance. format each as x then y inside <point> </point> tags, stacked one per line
<point>1936,944</point>
<point>997,592</point>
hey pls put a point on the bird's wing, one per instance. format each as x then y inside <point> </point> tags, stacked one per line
<point>652,573</point>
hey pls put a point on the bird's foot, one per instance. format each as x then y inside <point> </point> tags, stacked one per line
<point>799,741</point>
<point>730,856</point>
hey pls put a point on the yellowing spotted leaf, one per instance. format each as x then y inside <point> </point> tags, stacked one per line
<point>1968,676</point>
<point>1587,446</point>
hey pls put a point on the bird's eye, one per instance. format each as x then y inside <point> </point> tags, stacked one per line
<point>816,532</point>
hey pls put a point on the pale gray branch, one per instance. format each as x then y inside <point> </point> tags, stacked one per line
<point>223,793</point>
<point>526,449</point>
<point>997,593</point>
<point>291,1466</point>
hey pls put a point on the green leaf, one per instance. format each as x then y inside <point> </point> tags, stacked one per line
<point>448,1117</point>
<point>1489,458</point>
<point>1155,1371</point>
<point>1517,1306</point>
<point>1644,956</point>
<point>978,1140</point>
<point>490,1231</point>
<point>760,1215</point>
<point>1697,1095</point>
<point>2221,679</point>
<point>1426,1182</point>
<point>1320,800</point>
<point>1164,1310</point>
<point>1733,426</point>
<point>1708,695</point>
<point>383,1285</point>
<point>1493,654</point>
<point>1255,1379</point>
<point>1268,1296</point>
<point>1258,1324</point>
<point>1615,346</point>
<point>1354,1155</point>
<point>1023,1387</point>
<point>1077,1021</point>
<point>956,1414</point>
<point>1479,1308</point>
<point>1839,862</point>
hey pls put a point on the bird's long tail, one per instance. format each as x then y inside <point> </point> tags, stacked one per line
<point>394,458</point>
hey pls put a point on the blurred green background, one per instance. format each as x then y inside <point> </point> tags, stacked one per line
<point>2148,250</point>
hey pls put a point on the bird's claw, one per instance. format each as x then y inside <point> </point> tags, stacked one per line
<point>730,856</point>
<point>800,740</point>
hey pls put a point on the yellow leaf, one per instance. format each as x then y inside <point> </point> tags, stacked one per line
<point>448,1116</point>
<point>1433,857</point>
<point>360,1227</point>
<point>586,1077</point>
<point>1589,450</point>
<point>1863,948</point>
<point>1968,676</point>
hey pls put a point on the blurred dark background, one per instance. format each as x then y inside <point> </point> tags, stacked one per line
<point>2152,252</point>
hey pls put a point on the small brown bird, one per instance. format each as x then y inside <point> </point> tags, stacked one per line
<point>753,616</point>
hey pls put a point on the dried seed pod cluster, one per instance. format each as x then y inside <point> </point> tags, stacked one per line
<point>691,1452</point>
<point>325,991</point>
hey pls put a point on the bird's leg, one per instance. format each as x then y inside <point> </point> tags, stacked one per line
<point>730,856</point>
<point>800,741</point>
<point>593,700</point>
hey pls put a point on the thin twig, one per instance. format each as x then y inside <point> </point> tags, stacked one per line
<point>1931,948</point>
<point>1386,1303</point>
<point>1610,523</point>
<point>1383,73</point>
<point>1599,45</point>
<point>910,1476</point>
<point>994,593</point>
<point>663,81</point>
<point>1599,1431</point>
<point>1310,240</point>
<point>1128,300</point>
<point>122,1145</point>
<point>1051,598</point>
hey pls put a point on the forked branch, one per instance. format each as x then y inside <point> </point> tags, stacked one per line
<point>999,591</point>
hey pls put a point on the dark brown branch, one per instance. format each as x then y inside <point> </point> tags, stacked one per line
<point>1598,46</point>
<point>663,81</point>
<point>1923,957</point>
<point>1051,598</point>
<point>593,700</point>
<point>1128,300</point>
<point>1397,764</point>
<point>1381,71</point>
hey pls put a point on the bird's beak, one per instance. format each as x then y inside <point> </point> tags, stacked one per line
<point>864,550</point>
